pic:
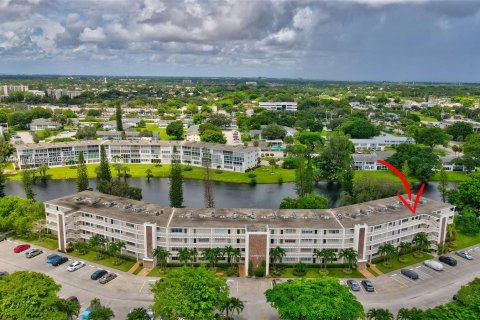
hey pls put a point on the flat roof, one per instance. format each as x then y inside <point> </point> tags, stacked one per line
<point>215,146</point>
<point>370,213</point>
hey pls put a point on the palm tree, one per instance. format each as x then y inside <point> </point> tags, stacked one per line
<point>232,305</point>
<point>236,255</point>
<point>97,311</point>
<point>125,170</point>
<point>97,242</point>
<point>118,167</point>
<point>451,233</point>
<point>379,314</point>
<point>161,255</point>
<point>409,314</point>
<point>138,314</point>
<point>115,249</point>
<point>276,255</point>
<point>212,255</point>
<point>193,255</point>
<point>350,256</point>
<point>421,242</point>
<point>116,158</point>
<point>228,252</point>
<point>149,174</point>
<point>327,254</point>
<point>184,255</point>
<point>387,250</point>
<point>403,248</point>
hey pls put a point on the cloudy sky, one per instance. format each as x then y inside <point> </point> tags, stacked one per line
<point>399,40</point>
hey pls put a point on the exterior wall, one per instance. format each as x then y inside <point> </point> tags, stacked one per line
<point>142,238</point>
<point>237,161</point>
<point>279,106</point>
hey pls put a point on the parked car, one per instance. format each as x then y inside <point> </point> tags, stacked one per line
<point>448,260</point>
<point>107,278</point>
<point>73,299</point>
<point>59,261</point>
<point>21,247</point>
<point>86,313</point>
<point>368,285</point>
<point>432,264</point>
<point>409,274</point>
<point>33,253</point>
<point>354,286</point>
<point>464,254</point>
<point>98,274</point>
<point>51,258</point>
<point>76,265</point>
<point>3,273</point>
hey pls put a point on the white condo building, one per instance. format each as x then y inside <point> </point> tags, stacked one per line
<point>279,106</point>
<point>145,226</point>
<point>236,158</point>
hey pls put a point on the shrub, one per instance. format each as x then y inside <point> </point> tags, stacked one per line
<point>187,168</point>
<point>218,171</point>
<point>253,181</point>
<point>260,271</point>
<point>280,180</point>
<point>252,175</point>
<point>300,270</point>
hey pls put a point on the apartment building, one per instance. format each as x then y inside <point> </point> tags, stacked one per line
<point>379,143</point>
<point>42,124</point>
<point>279,106</point>
<point>7,88</point>
<point>236,158</point>
<point>144,226</point>
<point>58,93</point>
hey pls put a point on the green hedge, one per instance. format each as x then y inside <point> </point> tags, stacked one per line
<point>312,265</point>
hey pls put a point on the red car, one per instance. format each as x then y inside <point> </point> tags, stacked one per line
<point>21,247</point>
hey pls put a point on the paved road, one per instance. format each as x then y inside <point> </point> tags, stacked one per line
<point>121,294</point>
<point>393,290</point>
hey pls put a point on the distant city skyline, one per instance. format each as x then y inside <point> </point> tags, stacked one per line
<point>348,40</point>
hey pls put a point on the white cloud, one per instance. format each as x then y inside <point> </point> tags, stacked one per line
<point>93,35</point>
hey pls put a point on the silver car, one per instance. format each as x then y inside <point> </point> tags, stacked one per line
<point>464,254</point>
<point>33,253</point>
<point>76,265</point>
<point>437,266</point>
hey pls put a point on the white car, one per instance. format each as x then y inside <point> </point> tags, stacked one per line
<point>76,265</point>
<point>437,266</point>
<point>464,254</point>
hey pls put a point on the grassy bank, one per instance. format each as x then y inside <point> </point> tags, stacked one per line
<point>464,241</point>
<point>263,174</point>
<point>44,242</point>
<point>395,264</point>
<point>314,273</point>
<point>107,262</point>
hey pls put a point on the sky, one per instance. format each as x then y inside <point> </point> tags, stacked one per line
<point>360,40</point>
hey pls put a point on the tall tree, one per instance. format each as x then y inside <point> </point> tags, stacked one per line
<point>175,129</point>
<point>323,298</point>
<point>103,172</point>
<point>99,312</point>
<point>40,291</point>
<point>379,314</point>
<point>139,314</point>
<point>208,197</point>
<point>303,176</point>
<point>202,294</point>
<point>443,184</point>
<point>82,174</point>
<point>176,181</point>
<point>27,182</point>
<point>118,117</point>
<point>231,306</point>
<point>2,182</point>
<point>335,158</point>
<point>161,256</point>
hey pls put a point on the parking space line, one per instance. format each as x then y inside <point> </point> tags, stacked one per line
<point>422,272</point>
<point>395,278</point>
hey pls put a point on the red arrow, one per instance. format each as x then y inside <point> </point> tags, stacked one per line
<point>407,187</point>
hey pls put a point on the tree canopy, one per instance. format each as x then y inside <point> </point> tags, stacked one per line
<point>175,129</point>
<point>309,201</point>
<point>323,298</point>
<point>359,128</point>
<point>19,214</point>
<point>432,136</point>
<point>421,161</point>
<point>460,130</point>
<point>190,293</point>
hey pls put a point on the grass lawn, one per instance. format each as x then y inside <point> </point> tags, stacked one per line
<point>137,270</point>
<point>314,273</point>
<point>48,243</point>
<point>107,262</point>
<point>372,272</point>
<point>424,118</point>
<point>396,264</point>
<point>155,272</point>
<point>452,176</point>
<point>463,241</point>
<point>263,174</point>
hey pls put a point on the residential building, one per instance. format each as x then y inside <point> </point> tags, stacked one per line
<point>379,143</point>
<point>58,93</point>
<point>117,135</point>
<point>7,88</point>
<point>279,106</point>
<point>192,133</point>
<point>127,123</point>
<point>42,124</point>
<point>144,227</point>
<point>232,158</point>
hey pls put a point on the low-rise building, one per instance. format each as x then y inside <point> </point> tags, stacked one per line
<point>279,106</point>
<point>42,124</point>
<point>58,93</point>
<point>117,135</point>
<point>379,143</point>
<point>193,133</point>
<point>225,157</point>
<point>144,227</point>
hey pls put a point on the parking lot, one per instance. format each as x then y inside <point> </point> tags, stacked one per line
<point>394,290</point>
<point>121,294</point>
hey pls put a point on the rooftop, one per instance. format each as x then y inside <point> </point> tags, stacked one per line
<point>370,213</point>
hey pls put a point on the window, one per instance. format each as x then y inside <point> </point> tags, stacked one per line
<point>177,230</point>
<point>290,241</point>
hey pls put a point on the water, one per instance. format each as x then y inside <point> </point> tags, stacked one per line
<point>227,195</point>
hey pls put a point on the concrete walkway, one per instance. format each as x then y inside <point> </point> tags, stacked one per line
<point>144,272</point>
<point>362,268</point>
<point>374,268</point>
<point>135,266</point>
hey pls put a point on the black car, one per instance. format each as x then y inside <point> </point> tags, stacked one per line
<point>409,274</point>
<point>98,274</point>
<point>368,285</point>
<point>60,261</point>
<point>354,286</point>
<point>448,260</point>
